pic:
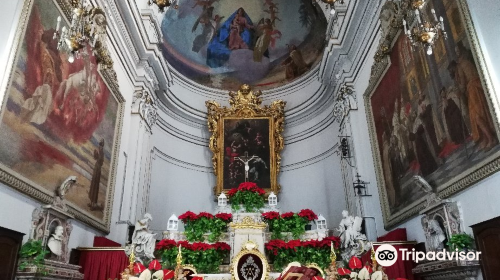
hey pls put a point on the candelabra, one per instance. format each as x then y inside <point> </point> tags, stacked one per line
<point>425,33</point>
<point>88,25</point>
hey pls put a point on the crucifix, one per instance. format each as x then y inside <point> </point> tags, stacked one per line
<point>246,159</point>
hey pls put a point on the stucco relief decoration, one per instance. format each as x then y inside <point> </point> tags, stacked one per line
<point>344,102</point>
<point>246,140</point>
<point>430,116</point>
<point>60,119</point>
<point>225,43</point>
<point>145,106</point>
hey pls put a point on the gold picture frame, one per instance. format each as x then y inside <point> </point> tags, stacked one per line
<point>380,106</point>
<point>35,35</point>
<point>249,248</point>
<point>235,124</point>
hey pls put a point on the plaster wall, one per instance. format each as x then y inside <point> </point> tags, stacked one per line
<point>478,202</point>
<point>182,177</point>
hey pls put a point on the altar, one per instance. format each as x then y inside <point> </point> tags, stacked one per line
<point>248,236</point>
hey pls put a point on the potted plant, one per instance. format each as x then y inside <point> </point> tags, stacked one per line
<point>247,195</point>
<point>461,242</point>
<point>33,254</point>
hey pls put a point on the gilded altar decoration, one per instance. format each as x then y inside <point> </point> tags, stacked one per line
<point>248,222</point>
<point>249,264</point>
<point>246,140</point>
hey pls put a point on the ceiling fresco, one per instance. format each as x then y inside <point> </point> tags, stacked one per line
<point>224,43</point>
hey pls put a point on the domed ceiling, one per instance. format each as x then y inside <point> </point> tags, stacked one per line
<point>224,43</point>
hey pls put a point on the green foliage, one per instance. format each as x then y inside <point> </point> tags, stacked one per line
<point>33,253</point>
<point>195,229</point>
<point>216,227</point>
<point>295,224</point>
<point>205,261</point>
<point>460,241</point>
<point>251,201</point>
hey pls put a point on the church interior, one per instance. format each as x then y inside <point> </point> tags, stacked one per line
<point>249,139</point>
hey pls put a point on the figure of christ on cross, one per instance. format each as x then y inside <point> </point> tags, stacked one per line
<point>246,160</point>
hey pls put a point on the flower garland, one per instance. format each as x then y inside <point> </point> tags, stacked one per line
<point>205,257</point>
<point>288,222</point>
<point>312,251</point>
<point>196,225</point>
<point>248,195</point>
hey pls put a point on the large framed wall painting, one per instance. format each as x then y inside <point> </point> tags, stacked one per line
<point>59,119</point>
<point>430,115</point>
<point>246,141</point>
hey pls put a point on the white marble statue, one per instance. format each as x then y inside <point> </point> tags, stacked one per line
<point>352,241</point>
<point>55,241</point>
<point>350,230</point>
<point>143,239</point>
<point>435,236</point>
<point>62,190</point>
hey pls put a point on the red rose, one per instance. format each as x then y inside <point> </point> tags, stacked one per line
<point>287,215</point>
<point>205,215</point>
<point>232,192</point>
<point>184,244</point>
<point>271,215</point>
<point>221,246</point>
<point>165,244</point>
<point>308,214</point>
<point>224,216</point>
<point>187,216</point>
<point>292,244</point>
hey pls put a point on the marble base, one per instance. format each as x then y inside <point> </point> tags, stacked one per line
<point>54,270</point>
<point>448,270</point>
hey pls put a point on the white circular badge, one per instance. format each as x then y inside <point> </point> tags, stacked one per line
<point>386,255</point>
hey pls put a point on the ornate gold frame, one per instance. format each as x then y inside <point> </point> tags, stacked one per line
<point>19,183</point>
<point>246,104</point>
<point>398,10</point>
<point>316,266</point>
<point>249,247</point>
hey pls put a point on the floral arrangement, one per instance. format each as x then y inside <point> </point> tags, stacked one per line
<point>288,222</point>
<point>248,195</point>
<point>205,257</point>
<point>312,251</point>
<point>197,225</point>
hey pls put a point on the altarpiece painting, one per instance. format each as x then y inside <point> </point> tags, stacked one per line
<point>59,119</point>
<point>246,141</point>
<point>429,115</point>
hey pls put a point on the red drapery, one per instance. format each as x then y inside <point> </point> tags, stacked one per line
<point>103,264</point>
<point>401,269</point>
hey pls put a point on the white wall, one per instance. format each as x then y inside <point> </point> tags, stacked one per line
<point>16,208</point>
<point>478,202</point>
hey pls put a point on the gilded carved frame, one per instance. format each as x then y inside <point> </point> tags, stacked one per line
<point>246,104</point>
<point>249,248</point>
<point>399,10</point>
<point>105,69</point>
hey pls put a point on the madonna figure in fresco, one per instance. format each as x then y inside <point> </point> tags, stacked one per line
<point>236,33</point>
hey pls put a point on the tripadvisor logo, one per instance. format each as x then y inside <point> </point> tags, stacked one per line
<point>387,255</point>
